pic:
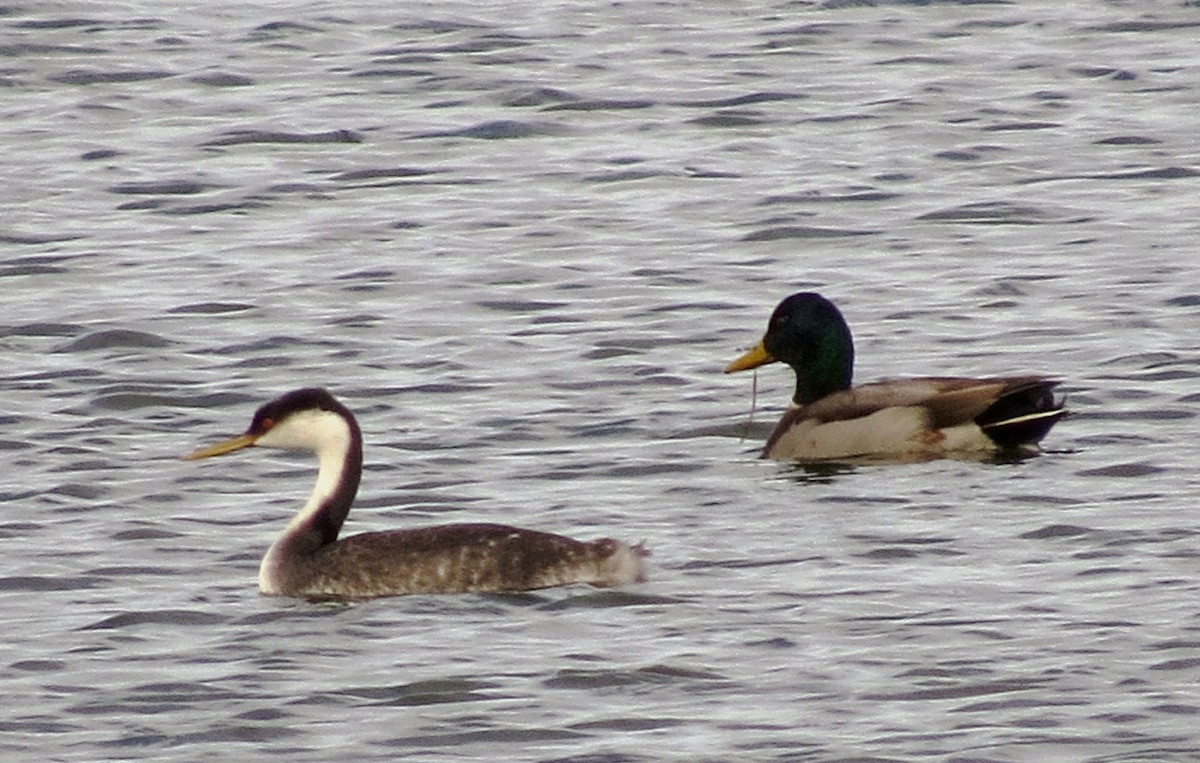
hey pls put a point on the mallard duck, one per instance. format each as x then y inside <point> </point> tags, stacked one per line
<point>913,418</point>
<point>308,560</point>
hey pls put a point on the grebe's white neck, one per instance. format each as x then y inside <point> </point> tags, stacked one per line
<point>335,439</point>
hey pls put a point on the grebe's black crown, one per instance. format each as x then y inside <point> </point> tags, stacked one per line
<point>307,399</point>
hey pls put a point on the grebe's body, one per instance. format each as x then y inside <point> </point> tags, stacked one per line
<point>916,418</point>
<point>308,560</point>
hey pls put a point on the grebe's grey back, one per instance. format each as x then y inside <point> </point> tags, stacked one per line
<point>308,560</point>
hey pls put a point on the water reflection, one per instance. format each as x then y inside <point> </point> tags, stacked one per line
<point>818,472</point>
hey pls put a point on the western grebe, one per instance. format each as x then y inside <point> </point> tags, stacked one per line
<point>308,560</point>
<point>901,418</point>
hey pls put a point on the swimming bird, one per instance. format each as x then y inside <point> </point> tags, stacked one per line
<point>309,561</point>
<point>912,418</point>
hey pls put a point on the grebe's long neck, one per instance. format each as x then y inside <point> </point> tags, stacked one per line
<point>335,438</point>
<point>333,493</point>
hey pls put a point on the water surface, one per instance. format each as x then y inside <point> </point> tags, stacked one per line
<point>521,241</point>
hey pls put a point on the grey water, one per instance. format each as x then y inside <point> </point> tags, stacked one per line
<point>521,240</point>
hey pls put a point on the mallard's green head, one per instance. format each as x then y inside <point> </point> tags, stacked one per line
<point>809,334</point>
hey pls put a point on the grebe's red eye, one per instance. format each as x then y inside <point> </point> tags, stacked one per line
<point>267,424</point>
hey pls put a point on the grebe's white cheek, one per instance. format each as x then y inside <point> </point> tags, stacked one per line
<point>313,430</point>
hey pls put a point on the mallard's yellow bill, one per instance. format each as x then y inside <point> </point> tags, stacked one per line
<point>221,448</point>
<point>757,356</point>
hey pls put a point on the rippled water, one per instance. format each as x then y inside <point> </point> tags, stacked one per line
<point>521,241</point>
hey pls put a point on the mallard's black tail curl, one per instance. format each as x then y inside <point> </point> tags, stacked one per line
<point>1022,416</point>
